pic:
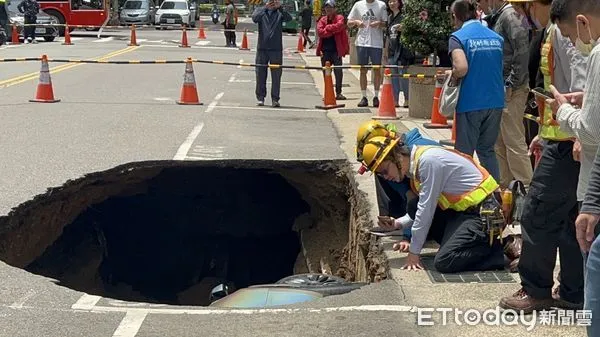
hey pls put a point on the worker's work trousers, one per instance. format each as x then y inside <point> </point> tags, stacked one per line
<point>268,57</point>
<point>478,131</point>
<point>464,244</point>
<point>511,147</point>
<point>548,223</point>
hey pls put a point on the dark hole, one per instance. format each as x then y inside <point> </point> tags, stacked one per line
<point>185,232</point>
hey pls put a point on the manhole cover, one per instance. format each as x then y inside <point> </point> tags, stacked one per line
<point>355,111</point>
<point>499,276</point>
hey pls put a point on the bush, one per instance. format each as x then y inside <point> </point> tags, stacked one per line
<point>426,26</point>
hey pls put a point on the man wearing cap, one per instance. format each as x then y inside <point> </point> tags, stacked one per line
<point>333,43</point>
<point>269,50</point>
<point>452,190</point>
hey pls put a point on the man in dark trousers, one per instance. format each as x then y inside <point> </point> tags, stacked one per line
<point>270,19</point>
<point>306,19</point>
<point>3,20</point>
<point>30,10</point>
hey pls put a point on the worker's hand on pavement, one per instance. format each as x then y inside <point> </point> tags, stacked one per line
<point>401,246</point>
<point>413,262</point>
<point>386,222</point>
<point>577,151</point>
<point>536,145</point>
<point>575,98</point>
<point>584,226</point>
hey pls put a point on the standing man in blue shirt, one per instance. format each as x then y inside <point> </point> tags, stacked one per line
<point>477,55</point>
<point>270,19</point>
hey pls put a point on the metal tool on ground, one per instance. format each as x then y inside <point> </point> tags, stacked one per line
<point>184,40</point>
<point>133,38</point>
<point>67,36</point>
<point>245,41</point>
<point>493,219</point>
<point>387,105</point>
<point>189,92</point>
<point>450,142</point>
<point>329,101</point>
<point>201,34</point>
<point>44,93</point>
<point>14,38</point>
<point>438,121</point>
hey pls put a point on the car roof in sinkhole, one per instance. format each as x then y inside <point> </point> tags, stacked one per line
<point>260,297</point>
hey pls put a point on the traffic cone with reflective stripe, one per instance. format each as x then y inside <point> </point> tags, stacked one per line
<point>45,93</point>
<point>245,41</point>
<point>451,142</point>
<point>67,36</point>
<point>14,39</point>
<point>300,48</point>
<point>133,39</point>
<point>201,34</point>
<point>329,101</point>
<point>437,120</point>
<point>184,41</point>
<point>387,105</point>
<point>189,93</point>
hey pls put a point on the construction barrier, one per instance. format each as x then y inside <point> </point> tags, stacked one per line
<point>329,101</point>
<point>387,104</point>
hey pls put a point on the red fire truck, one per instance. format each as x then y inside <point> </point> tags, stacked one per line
<point>78,12</point>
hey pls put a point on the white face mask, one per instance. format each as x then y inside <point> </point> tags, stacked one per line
<point>585,48</point>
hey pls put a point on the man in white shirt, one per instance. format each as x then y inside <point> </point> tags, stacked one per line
<point>370,16</point>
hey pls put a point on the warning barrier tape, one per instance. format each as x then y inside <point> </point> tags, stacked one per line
<point>210,29</point>
<point>272,66</point>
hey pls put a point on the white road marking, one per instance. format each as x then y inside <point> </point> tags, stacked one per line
<point>187,144</point>
<point>202,43</point>
<point>232,78</point>
<point>266,107</point>
<point>269,82</point>
<point>86,302</point>
<point>104,39</point>
<point>241,61</point>
<point>19,304</point>
<point>207,152</point>
<point>162,99</point>
<point>131,324</point>
<point>168,311</point>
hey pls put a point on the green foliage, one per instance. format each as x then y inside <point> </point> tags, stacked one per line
<point>426,26</point>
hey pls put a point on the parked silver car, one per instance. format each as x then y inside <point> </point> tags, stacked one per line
<point>140,12</point>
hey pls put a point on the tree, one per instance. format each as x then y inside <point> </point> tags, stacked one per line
<point>426,26</point>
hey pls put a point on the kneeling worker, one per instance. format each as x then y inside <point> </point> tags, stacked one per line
<point>464,192</point>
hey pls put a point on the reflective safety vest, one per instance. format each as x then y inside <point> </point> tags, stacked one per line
<point>456,202</point>
<point>549,128</point>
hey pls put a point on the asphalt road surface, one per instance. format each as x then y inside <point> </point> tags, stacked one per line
<point>115,114</point>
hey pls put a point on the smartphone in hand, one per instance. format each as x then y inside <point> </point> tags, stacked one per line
<point>543,93</point>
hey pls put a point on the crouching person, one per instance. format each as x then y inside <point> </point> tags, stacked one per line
<point>452,190</point>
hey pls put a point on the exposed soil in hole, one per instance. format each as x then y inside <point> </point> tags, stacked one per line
<point>168,232</point>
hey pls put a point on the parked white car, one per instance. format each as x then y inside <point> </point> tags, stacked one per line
<point>175,12</point>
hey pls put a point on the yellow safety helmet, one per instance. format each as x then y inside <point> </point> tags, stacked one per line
<point>375,152</point>
<point>368,130</point>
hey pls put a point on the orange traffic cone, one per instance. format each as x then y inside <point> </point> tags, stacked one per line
<point>437,120</point>
<point>387,106</point>
<point>133,39</point>
<point>201,34</point>
<point>45,93</point>
<point>189,93</point>
<point>245,41</point>
<point>184,41</point>
<point>451,142</point>
<point>300,48</point>
<point>14,39</point>
<point>329,101</point>
<point>67,36</point>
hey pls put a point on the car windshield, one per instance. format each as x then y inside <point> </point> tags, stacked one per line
<point>174,5</point>
<point>134,5</point>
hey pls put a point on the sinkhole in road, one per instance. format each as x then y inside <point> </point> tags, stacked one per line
<point>169,231</point>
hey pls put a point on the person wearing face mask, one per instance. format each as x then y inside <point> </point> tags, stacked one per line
<point>452,190</point>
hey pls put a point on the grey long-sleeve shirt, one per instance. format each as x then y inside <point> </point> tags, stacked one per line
<point>584,123</point>
<point>439,171</point>
<point>270,27</point>
<point>591,203</point>
<point>514,28</point>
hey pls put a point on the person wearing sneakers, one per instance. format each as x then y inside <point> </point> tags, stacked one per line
<point>477,65</point>
<point>550,207</point>
<point>333,43</point>
<point>453,190</point>
<point>370,16</point>
<point>269,49</point>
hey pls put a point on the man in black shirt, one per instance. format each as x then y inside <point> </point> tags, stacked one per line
<point>306,18</point>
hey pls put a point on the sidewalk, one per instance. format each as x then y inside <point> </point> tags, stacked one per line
<point>476,291</point>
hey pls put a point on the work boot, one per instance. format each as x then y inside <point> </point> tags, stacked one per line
<point>525,304</point>
<point>363,102</point>
<point>564,304</point>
